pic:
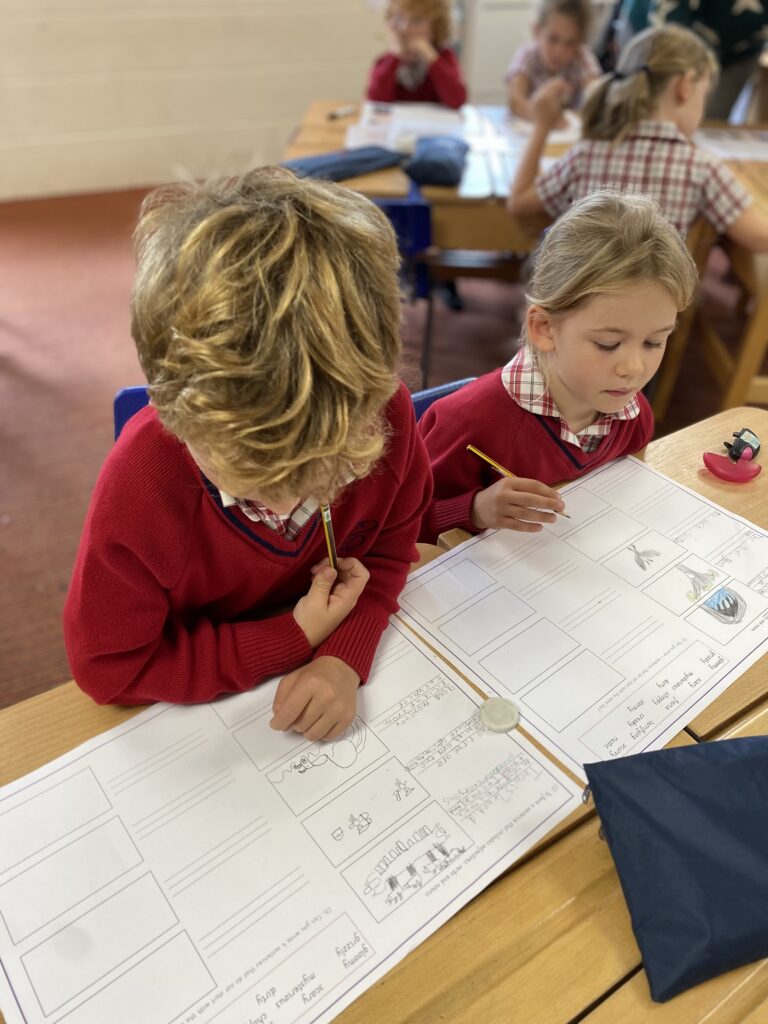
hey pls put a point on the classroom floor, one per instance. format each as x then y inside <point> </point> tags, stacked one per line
<point>65,276</point>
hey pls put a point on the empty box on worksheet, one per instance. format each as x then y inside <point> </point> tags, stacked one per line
<point>529,654</point>
<point>571,690</point>
<point>486,620</point>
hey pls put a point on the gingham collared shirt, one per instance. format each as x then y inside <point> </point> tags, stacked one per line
<point>657,160</point>
<point>287,525</point>
<point>523,380</point>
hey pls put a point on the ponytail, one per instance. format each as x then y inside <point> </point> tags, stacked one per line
<point>618,101</point>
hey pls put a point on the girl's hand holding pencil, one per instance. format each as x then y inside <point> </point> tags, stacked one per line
<point>514,503</point>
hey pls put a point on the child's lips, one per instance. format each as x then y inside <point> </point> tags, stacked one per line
<point>619,392</point>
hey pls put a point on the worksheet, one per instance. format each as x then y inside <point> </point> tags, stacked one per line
<point>734,143</point>
<point>610,629</point>
<point>193,865</point>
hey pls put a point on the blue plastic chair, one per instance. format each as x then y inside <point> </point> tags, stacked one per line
<point>423,399</point>
<point>128,401</point>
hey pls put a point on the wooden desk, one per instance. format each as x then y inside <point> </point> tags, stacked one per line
<point>551,937</point>
<point>316,133</point>
<point>458,221</point>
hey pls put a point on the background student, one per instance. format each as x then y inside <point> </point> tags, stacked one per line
<point>558,51</point>
<point>609,279</point>
<point>637,124</point>
<point>735,29</point>
<point>421,66</point>
<point>266,314</point>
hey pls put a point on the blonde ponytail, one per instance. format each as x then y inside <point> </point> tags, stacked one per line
<point>618,101</point>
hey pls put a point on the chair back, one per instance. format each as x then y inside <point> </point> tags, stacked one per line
<point>128,401</point>
<point>423,399</point>
<point>701,237</point>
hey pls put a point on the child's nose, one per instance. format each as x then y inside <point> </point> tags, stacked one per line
<point>631,364</point>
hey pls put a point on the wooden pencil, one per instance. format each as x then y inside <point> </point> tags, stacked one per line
<point>502,470</point>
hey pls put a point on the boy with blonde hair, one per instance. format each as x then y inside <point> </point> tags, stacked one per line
<point>266,318</point>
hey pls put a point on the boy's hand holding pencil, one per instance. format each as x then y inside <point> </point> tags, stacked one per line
<point>514,503</point>
<point>319,699</point>
<point>331,597</point>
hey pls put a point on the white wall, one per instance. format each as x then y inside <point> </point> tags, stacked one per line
<point>103,94</point>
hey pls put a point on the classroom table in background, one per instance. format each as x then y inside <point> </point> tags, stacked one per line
<point>472,216</point>
<point>551,940</point>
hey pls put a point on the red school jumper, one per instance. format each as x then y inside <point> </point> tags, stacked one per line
<point>443,83</point>
<point>483,413</point>
<point>175,597</point>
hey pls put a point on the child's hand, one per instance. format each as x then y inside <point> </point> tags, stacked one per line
<point>548,101</point>
<point>330,599</point>
<point>399,44</point>
<point>418,49</point>
<point>516,504</point>
<point>318,699</point>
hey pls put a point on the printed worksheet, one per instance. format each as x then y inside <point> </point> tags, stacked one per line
<point>192,865</point>
<point>611,629</point>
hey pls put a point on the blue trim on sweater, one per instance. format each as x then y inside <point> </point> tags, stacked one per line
<point>560,444</point>
<point>238,522</point>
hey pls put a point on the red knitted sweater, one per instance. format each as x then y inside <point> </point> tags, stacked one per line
<point>443,83</point>
<point>175,598</point>
<point>484,414</point>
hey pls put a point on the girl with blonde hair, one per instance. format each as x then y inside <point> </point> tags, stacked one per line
<point>610,277</point>
<point>421,66</point>
<point>638,125</point>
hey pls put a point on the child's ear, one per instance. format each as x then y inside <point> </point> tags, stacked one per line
<point>684,84</point>
<point>539,325</point>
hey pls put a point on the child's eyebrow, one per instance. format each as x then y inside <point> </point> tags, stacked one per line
<point>623,332</point>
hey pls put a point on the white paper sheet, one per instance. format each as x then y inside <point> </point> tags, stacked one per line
<point>611,629</point>
<point>734,143</point>
<point>192,865</point>
<point>516,130</point>
<point>398,125</point>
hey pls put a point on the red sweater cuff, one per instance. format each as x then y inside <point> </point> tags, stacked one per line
<point>355,641</point>
<point>272,647</point>
<point>449,513</point>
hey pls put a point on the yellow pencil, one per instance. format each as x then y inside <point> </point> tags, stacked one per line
<point>325,515</point>
<point>500,469</point>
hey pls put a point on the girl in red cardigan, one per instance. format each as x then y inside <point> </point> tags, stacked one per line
<point>420,66</point>
<point>610,277</point>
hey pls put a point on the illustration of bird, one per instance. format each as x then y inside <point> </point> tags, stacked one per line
<point>643,558</point>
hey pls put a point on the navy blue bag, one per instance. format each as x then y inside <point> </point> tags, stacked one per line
<point>345,163</point>
<point>688,831</point>
<point>437,160</point>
